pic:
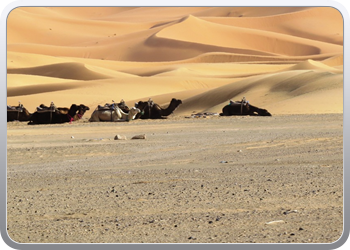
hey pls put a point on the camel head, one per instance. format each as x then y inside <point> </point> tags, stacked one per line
<point>82,106</point>
<point>175,102</point>
<point>133,112</point>
<point>73,110</point>
<point>264,112</point>
<point>82,109</point>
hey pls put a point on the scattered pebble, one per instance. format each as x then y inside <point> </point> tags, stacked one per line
<point>290,211</point>
<point>139,137</point>
<point>120,137</point>
<point>202,115</point>
<point>274,222</point>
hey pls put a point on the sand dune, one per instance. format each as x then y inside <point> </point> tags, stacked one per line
<point>324,23</point>
<point>280,58</point>
<point>313,65</point>
<point>283,87</point>
<point>74,71</point>
<point>247,40</point>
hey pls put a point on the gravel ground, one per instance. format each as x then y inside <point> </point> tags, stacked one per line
<point>191,180</point>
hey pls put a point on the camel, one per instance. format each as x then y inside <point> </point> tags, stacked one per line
<point>17,113</point>
<point>151,110</point>
<point>113,115</point>
<point>243,108</point>
<point>53,116</point>
<point>81,111</point>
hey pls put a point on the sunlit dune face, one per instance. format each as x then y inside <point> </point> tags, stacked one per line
<point>279,58</point>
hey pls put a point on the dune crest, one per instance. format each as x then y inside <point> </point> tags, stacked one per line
<point>277,57</point>
<point>314,65</point>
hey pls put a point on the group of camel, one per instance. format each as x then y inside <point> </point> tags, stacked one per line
<point>45,114</point>
<point>117,112</point>
<point>142,110</point>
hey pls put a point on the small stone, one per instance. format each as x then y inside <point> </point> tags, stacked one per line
<point>72,137</point>
<point>274,222</point>
<point>119,137</point>
<point>139,137</point>
<point>290,211</point>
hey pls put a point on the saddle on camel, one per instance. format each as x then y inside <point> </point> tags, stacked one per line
<point>17,113</point>
<point>110,106</point>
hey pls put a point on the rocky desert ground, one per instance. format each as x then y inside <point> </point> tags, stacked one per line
<point>191,180</point>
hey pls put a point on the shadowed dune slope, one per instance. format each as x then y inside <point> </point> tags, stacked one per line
<point>281,87</point>
<point>288,60</point>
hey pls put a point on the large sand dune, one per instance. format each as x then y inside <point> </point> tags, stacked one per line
<point>288,60</point>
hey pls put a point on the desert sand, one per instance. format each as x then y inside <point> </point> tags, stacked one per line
<point>278,58</point>
<point>192,180</point>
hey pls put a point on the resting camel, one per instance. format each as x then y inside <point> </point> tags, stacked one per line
<point>243,108</point>
<point>81,111</point>
<point>151,110</point>
<point>113,115</point>
<point>53,116</point>
<point>17,113</point>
